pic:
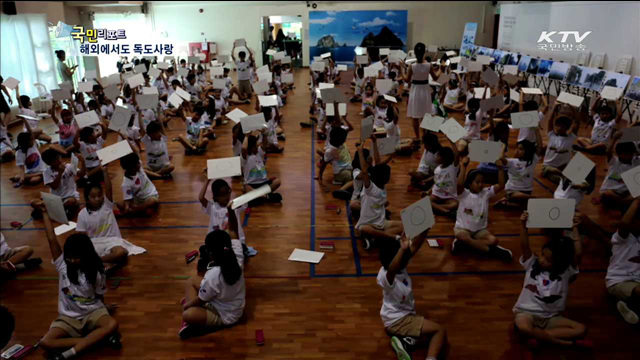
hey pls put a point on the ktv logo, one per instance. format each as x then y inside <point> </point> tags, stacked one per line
<point>546,36</point>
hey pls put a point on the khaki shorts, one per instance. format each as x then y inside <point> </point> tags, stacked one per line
<point>156,167</point>
<point>511,192</point>
<point>79,327</point>
<point>410,325</point>
<point>8,255</point>
<point>344,176</point>
<point>546,168</point>
<point>213,317</point>
<point>463,142</point>
<point>623,290</point>
<point>244,86</point>
<point>138,201</point>
<point>541,322</point>
<point>473,234</point>
<point>382,227</point>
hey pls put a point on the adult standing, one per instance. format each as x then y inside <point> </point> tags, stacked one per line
<point>280,40</point>
<point>66,73</point>
<point>420,94</point>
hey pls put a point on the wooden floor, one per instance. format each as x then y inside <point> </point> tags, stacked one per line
<point>326,311</point>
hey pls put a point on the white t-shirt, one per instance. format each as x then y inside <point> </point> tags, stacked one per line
<point>624,264</point>
<point>67,187</point>
<point>89,151</point>
<point>148,116</point>
<point>529,134</point>
<point>472,127</point>
<point>219,218</point>
<point>569,193</point>
<point>373,200</point>
<point>32,161</point>
<point>227,299</point>
<point>445,182</point>
<point>254,170</point>
<point>359,87</point>
<point>542,296</point>
<point>397,298</point>
<point>602,130</point>
<point>380,117</point>
<point>138,187</point>
<point>451,98</point>
<point>133,132</point>
<point>613,180</point>
<point>520,174</point>
<point>32,123</point>
<point>473,210</point>
<point>428,163</point>
<point>221,104</point>
<point>193,90</point>
<point>106,111</point>
<point>157,152</point>
<point>339,158</point>
<point>357,185</point>
<point>392,129</point>
<point>100,223</point>
<point>193,128</point>
<point>4,247</point>
<point>242,67</point>
<point>76,301</point>
<point>551,157</point>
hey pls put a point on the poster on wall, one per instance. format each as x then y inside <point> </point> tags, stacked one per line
<point>340,32</point>
<point>468,39</point>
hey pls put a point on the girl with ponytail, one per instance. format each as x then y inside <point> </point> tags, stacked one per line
<point>216,300</point>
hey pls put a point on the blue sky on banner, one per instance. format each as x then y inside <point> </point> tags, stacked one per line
<point>351,27</point>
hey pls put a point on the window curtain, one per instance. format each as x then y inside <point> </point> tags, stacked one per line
<point>26,52</point>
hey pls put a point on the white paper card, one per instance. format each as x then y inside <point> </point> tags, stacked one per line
<point>531,91</point>
<point>286,60</point>
<point>85,86</point>
<point>112,91</point>
<point>287,78</point>
<point>150,90</point>
<point>135,80</point>
<point>183,72</point>
<point>525,119</point>
<point>370,72</point>
<point>217,71</point>
<point>224,58</point>
<point>377,66</point>
<point>64,228</point>
<point>453,130</point>
<point>611,93</point>
<point>251,195</point>
<point>578,168</point>
<point>306,256</point>
<point>384,85</point>
<point>148,101</point>
<point>219,84</point>
<point>432,48</point>
<point>551,213</point>
<point>90,74</point>
<point>317,66</point>
<point>631,178</point>
<point>265,76</point>
<point>495,102</point>
<point>442,79</point>
<point>140,68</point>
<point>268,100</point>
<point>182,93</point>
<point>342,109</point>
<point>474,66</point>
<point>514,95</point>
<point>114,79</point>
<point>223,168</point>
<point>58,94</point>
<point>483,59</point>
<point>55,207</point>
<point>11,83</point>
<point>153,73</point>
<point>362,59</point>
<point>175,100</point>
<point>240,42</point>
<point>253,122</point>
<point>417,217</point>
<point>510,69</point>
<point>387,145</point>
<point>325,55</point>
<point>390,98</point>
<point>485,151</point>
<point>366,128</point>
<point>263,69</point>
<point>120,118</point>
<point>479,92</point>
<point>431,123</point>
<point>260,87</point>
<point>490,77</point>
<point>163,65</point>
<point>87,119</point>
<point>455,60</point>
<point>236,114</point>
<point>360,50</point>
<point>573,100</point>
<point>330,109</point>
<point>114,152</point>
<point>385,51</point>
<point>271,52</point>
<point>322,86</point>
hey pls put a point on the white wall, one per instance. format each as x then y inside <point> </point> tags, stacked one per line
<point>433,23</point>
<point>615,28</point>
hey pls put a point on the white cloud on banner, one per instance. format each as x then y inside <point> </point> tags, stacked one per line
<point>377,22</point>
<point>390,13</point>
<point>324,21</point>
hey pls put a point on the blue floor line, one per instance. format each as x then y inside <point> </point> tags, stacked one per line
<point>246,220</point>
<point>543,185</point>
<point>82,204</point>
<point>454,273</point>
<point>312,230</point>
<point>354,240</point>
<point>333,238</point>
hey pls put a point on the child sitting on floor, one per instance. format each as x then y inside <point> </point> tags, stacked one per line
<point>28,160</point>
<point>14,259</point>
<point>61,178</point>
<point>138,192</point>
<point>338,155</point>
<point>614,192</point>
<point>255,173</point>
<point>422,178</point>
<point>561,135</point>
<point>603,127</point>
<point>154,139</point>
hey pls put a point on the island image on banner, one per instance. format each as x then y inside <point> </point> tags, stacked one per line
<point>339,32</point>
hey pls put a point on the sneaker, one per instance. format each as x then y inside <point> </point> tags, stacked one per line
<point>409,343</point>
<point>187,331</point>
<point>251,251</point>
<point>366,243</point>
<point>454,247</point>
<point>307,124</point>
<point>247,101</point>
<point>32,263</point>
<point>342,195</point>
<point>627,314</point>
<point>398,347</point>
<point>387,214</point>
<point>452,214</point>
<point>282,137</point>
<point>274,197</point>
<point>56,356</point>
<point>114,341</point>
<point>503,254</point>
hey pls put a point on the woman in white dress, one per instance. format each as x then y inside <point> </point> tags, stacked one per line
<point>420,94</point>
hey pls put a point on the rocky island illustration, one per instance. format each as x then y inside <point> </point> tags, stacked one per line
<point>339,32</point>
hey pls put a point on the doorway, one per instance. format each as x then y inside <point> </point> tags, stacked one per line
<point>282,33</point>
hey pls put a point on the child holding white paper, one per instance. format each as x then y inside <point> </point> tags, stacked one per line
<point>521,169</point>
<point>196,140</point>
<point>472,124</point>
<point>422,178</point>
<point>139,194</point>
<point>217,299</point>
<point>67,128</point>
<point>473,213</point>
<point>221,107</point>
<point>444,193</point>
<point>243,68</point>
<point>623,274</point>
<point>159,164</point>
<point>7,153</point>
<point>61,178</point>
<point>529,134</point>
<point>89,143</point>
<point>450,97</point>
<point>24,108</point>
<point>398,312</point>
<point>562,136</point>
<point>372,224</point>
<point>98,221</point>
<point>546,288</point>
<point>325,128</point>
<point>194,89</point>
<point>358,76</point>
<point>604,125</point>
<point>338,155</point>
<point>230,90</point>
<point>368,99</point>
<point>613,191</point>
<point>271,135</point>
<point>379,112</point>
<point>83,320</point>
<point>255,173</point>
<point>28,160</point>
